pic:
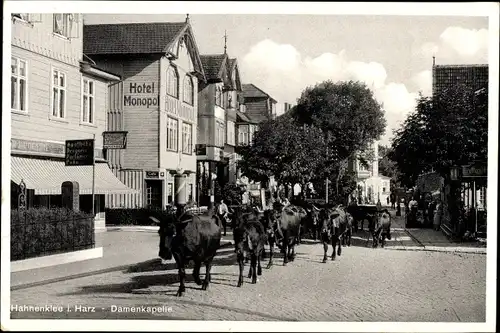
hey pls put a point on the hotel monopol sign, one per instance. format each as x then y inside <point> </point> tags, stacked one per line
<point>141,95</point>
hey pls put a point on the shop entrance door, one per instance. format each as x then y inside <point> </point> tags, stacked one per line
<point>154,193</point>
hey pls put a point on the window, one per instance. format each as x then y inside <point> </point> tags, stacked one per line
<point>58,94</point>
<point>230,133</point>
<point>218,96</point>
<point>170,193</point>
<point>172,82</point>
<point>219,134</point>
<point>187,138</point>
<point>190,193</point>
<point>22,16</point>
<point>251,133</point>
<point>383,189</point>
<point>243,135</point>
<point>172,134</point>
<point>63,24</point>
<point>188,90</point>
<point>88,101</point>
<point>18,84</point>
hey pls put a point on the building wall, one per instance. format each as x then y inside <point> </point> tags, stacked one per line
<point>35,131</point>
<point>37,122</point>
<point>37,36</point>
<point>179,110</point>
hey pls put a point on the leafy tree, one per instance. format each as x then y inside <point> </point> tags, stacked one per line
<point>349,116</point>
<point>445,130</point>
<point>290,152</point>
<point>388,167</point>
<point>448,129</point>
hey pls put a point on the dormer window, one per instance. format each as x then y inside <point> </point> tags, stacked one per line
<point>218,96</point>
<point>63,24</point>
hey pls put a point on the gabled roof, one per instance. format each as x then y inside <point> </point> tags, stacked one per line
<point>130,38</point>
<point>214,66</point>
<point>251,90</point>
<point>139,38</point>
<point>244,118</point>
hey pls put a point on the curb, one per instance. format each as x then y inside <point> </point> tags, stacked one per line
<point>450,249</point>
<point>86,274</point>
<point>439,249</point>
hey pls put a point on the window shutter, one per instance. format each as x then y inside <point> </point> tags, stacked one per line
<point>58,20</point>
<point>74,26</point>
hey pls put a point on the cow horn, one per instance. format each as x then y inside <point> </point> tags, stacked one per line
<point>154,219</point>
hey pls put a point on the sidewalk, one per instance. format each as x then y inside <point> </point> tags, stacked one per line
<point>431,240</point>
<point>121,249</point>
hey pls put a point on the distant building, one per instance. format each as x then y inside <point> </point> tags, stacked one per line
<point>156,102</point>
<point>217,118</point>
<point>444,76</point>
<point>259,105</point>
<point>473,186</point>
<point>57,95</point>
<point>371,186</point>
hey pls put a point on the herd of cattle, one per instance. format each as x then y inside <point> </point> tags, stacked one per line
<point>189,237</point>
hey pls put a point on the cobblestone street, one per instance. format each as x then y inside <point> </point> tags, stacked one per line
<point>364,284</point>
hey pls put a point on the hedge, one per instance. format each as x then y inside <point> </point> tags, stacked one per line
<point>131,216</point>
<point>39,232</point>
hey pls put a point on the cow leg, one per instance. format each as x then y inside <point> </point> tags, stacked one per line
<point>339,250</point>
<point>182,274</point>
<point>250,271</point>
<point>196,272</point>
<point>292,257</point>
<point>349,236</point>
<point>241,263</point>
<point>259,267</point>
<point>334,245</point>
<point>208,267</point>
<point>325,249</point>
<point>285,248</point>
<point>271,252</point>
<point>253,267</point>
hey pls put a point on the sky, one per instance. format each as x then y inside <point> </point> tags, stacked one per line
<point>284,54</point>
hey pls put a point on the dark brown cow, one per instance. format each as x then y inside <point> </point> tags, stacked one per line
<point>334,224</point>
<point>249,238</point>
<point>286,222</point>
<point>189,238</point>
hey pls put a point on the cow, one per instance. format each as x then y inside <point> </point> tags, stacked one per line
<point>310,224</point>
<point>334,222</point>
<point>286,224</point>
<point>383,230</point>
<point>269,223</point>
<point>186,237</point>
<point>249,238</point>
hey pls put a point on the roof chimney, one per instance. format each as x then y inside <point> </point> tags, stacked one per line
<point>433,61</point>
<point>187,18</point>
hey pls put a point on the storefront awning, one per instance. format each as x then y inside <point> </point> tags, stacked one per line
<point>46,177</point>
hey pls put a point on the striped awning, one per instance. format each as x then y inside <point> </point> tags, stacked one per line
<point>47,176</point>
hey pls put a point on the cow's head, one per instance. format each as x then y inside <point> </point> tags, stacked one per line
<point>169,228</point>
<point>385,218</point>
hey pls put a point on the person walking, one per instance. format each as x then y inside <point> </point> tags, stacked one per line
<point>438,211</point>
<point>393,201</point>
<point>222,212</point>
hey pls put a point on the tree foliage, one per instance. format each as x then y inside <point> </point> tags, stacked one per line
<point>445,130</point>
<point>314,140</point>
<point>347,112</point>
<point>281,147</point>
